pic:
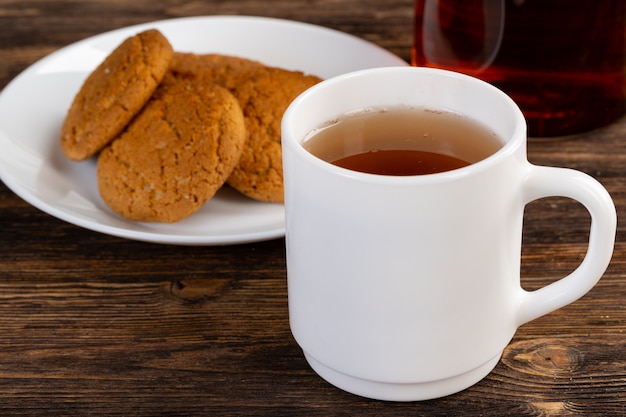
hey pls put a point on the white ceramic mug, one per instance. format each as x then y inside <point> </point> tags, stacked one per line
<point>408,288</point>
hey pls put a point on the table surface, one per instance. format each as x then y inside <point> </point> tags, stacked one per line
<point>97,325</point>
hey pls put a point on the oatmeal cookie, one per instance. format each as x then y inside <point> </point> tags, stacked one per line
<point>224,70</point>
<point>175,155</point>
<point>264,94</point>
<point>114,93</point>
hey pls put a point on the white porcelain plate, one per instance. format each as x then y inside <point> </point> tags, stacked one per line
<point>33,105</point>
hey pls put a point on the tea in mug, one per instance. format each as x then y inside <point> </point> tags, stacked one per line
<point>403,142</point>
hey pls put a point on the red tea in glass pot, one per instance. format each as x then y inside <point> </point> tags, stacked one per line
<point>562,61</point>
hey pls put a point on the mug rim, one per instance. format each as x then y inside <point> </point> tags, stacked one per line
<point>516,139</point>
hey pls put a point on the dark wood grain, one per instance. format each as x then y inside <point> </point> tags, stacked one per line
<point>96,325</point>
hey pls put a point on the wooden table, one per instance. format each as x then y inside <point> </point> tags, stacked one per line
<point>97,325</point>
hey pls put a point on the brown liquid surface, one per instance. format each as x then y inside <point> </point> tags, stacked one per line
<point>562,62</point>
<point>403,142</point>
<point>400,162</point>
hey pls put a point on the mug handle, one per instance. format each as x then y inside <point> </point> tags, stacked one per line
<point>544,182</point>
